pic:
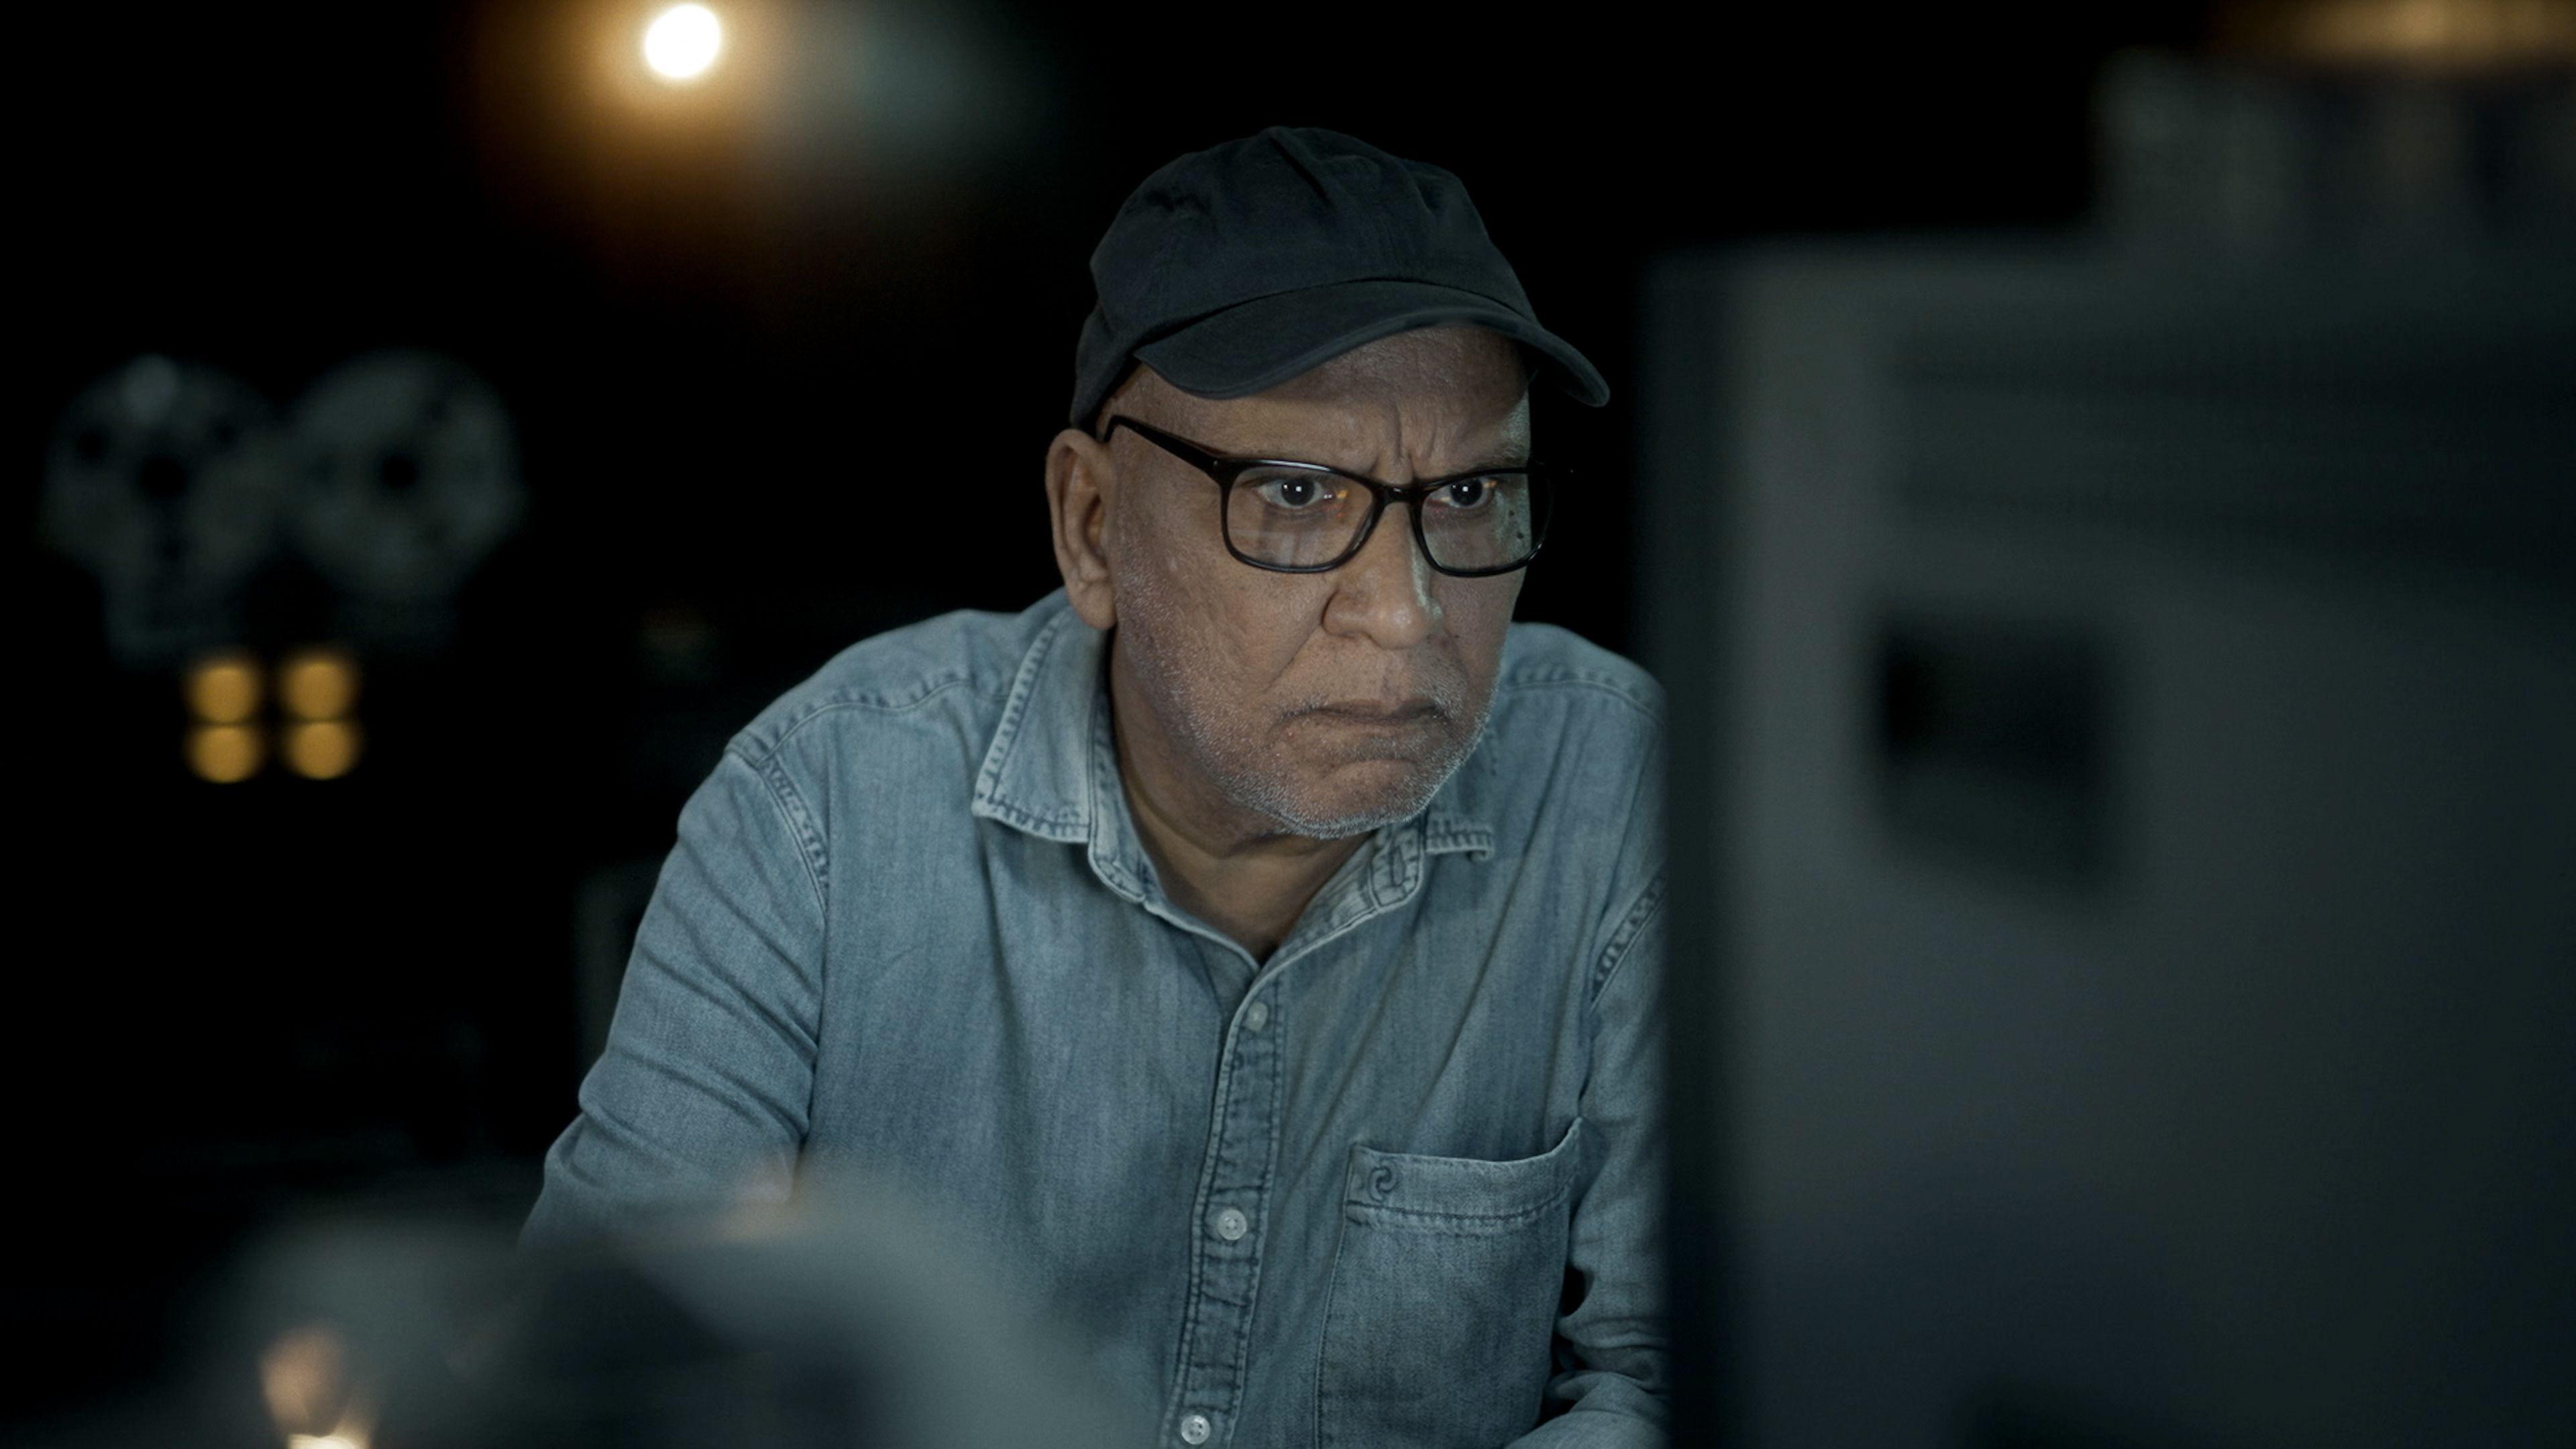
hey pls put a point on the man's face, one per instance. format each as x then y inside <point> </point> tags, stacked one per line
<point>1321,705</point>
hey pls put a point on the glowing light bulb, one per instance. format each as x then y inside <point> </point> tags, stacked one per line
<point>322,749</point>
<point>223,688</point>
<point>318,683</point>
<point>226,754</point>
<point>682,42</point>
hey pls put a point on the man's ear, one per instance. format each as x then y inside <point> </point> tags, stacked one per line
<point>1079,480</point>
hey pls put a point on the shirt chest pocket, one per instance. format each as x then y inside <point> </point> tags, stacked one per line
<point>1444,1296</point>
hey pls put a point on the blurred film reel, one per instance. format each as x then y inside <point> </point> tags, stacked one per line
<point>164,480</point>
<point>406,476</point>
<point>175,485</point>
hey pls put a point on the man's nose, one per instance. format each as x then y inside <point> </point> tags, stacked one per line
<point>1385,592</point>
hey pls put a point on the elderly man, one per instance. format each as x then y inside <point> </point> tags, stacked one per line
<point>1255,947</point>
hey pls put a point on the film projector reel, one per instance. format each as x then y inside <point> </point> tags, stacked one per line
<point>406,476</point>
<point>164,479</point>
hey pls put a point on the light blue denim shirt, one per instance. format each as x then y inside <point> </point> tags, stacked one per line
<point>1400,1184</point>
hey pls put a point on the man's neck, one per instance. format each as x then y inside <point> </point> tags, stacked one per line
<point>1217,861</point>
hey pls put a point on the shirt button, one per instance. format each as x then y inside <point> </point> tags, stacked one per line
<point>1195,1429</point>
<point>1256,1016</point>
<point>1231,1224</point>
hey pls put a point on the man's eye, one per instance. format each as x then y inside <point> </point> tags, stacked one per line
<point>1467,494</point>
<point>1294,492</point>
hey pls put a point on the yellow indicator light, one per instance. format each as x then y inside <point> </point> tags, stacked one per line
<point>223,688</point>
<point>318,683</point>
<point>682,42</point>
<point>322,749</point>
<point>226,753</point>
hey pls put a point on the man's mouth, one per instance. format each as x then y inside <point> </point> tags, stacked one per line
<point>1373,712</point>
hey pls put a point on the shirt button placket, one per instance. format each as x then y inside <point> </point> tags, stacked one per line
<point>1227,1276</point>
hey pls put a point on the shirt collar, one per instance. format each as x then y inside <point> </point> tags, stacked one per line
<point>1052,768</point>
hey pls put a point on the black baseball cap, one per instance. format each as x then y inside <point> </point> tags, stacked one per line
<point>1236,268</point>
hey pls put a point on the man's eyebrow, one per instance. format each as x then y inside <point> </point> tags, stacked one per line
<point>1507,454</point>
<point>1501,455</point>
<point>1503,458</point>
<point>1491,462</point>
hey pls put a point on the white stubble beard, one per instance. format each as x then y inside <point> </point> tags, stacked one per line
<point>1232,758</point>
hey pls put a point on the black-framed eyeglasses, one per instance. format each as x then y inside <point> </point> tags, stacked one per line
<point>1305,518</point>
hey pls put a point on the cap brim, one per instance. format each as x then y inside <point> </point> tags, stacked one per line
<point>1264,342</point>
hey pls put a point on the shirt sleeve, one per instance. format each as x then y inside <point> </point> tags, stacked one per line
<point>701,1098</point>
<point>1610,1385</point>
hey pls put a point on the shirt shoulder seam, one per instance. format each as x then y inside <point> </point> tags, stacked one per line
<point>1615,953</point>
<point>799,819</point>
<point>760,752</point>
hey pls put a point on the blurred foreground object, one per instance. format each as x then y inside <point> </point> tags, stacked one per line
<point>2133,828</point>
<point>2428,129</point>
<point>304,1377</point>
<point>844,1323</point>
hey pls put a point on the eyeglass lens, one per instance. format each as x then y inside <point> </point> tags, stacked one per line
<point>1308,518</point>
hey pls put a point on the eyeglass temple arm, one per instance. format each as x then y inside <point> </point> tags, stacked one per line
<point>1197,457</point>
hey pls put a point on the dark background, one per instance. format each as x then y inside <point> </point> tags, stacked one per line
<point>783,353</point>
